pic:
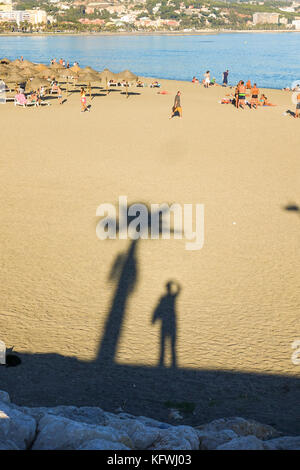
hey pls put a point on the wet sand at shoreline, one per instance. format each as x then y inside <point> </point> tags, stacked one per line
<point>239,304</point>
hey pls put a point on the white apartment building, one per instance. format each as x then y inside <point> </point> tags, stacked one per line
<point>20,16</point>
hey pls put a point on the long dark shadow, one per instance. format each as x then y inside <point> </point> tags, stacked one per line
<point>125,272</point>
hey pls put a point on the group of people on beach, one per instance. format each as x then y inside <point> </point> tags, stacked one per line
<point>62,62</point>
<point>253,92</point>
<point>207,81</point>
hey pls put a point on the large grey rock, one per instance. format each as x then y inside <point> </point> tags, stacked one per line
<point>102,444</point>
<point>153,423</point>
<point>56,432</point>
<point>241,427</point>
<point>243,443</point>
<point>283,443</point>
<point>177,438</point>
<point>211,440</point>
<point>142,437</point>
<point>16,427</point>
<point>84,414</point>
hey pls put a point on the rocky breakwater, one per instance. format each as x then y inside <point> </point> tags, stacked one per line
<point>91,428</point>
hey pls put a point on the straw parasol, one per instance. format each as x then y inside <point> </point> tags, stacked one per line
<point>128,77</point>
<point>88,77</point>
<point>41,67</point>
<point>25,63</point>
<point>4,70</point>
<point>46,73</point>
<point>16,62</point>
<point>27,72</point>
<point>15,78</point>
<point>36,83</point>
<point>106,76</point>
<point>89,69</point>
<point>75,69</point>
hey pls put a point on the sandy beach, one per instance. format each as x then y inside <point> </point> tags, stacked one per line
<point>238,308</point>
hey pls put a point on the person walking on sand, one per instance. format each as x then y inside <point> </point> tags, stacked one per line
<point>225,77</point>
<point>177,106</point>
<point>83,101</point>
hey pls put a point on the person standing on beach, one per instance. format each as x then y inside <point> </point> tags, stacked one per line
<point>254,96</point>
<point>242,95</point>
<point>83,101</point>
<point>177,106</point>
<point>206,79</point>
<point>236,94</point>
<point>225,77</point>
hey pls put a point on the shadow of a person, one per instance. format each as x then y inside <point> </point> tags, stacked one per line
<point>166,313</point>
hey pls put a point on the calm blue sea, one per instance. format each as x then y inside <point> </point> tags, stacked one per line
<point>269,59</point>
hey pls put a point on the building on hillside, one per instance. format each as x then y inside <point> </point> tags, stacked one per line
<point>283,20</point>
<point>37,16</point>
<point>296,23</point>
<point>263,18</point>
<point>21,16</point>
<point>6,5</point>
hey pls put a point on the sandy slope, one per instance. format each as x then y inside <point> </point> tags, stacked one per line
<point>240,301</point>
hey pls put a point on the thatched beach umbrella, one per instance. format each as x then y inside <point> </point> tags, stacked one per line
<point>15,78</point>
<point>16,62</point>
<point>56,69</point>
<point>127,76</point>
<point>4,70</point>
<point>88,78</point>
<point>46,73</point>
<point>36,83</point>
<point>67,75</point>
<point>25,63</point>
<point>89,69</point>
<point>106,75</point>
<point>41,67</point>
<point>75,69</point>
<point>27,72</point>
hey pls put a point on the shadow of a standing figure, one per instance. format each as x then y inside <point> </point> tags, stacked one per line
<point>166,313</point>
<point>124,272</point>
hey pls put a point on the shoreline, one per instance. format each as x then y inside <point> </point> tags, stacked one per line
<point>150,33</point>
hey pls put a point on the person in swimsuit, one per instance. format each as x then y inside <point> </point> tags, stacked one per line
<point>236,95</point>
<point>242,95</point>
<point>59,95</point>
<point>177,106</point>
<point>254,97</point>
<point>263,101</point>
<point>83,101</point>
